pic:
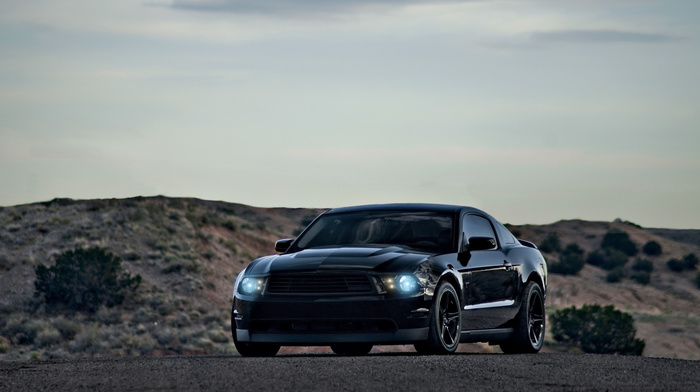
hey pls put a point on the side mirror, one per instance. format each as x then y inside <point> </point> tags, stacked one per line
<point>282,246</point>
<point>473,244</point>
<point>481,243</point>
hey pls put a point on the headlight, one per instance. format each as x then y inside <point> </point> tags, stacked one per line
<point>250,286</point>
<point>404,284</point>
<point>407,283</point>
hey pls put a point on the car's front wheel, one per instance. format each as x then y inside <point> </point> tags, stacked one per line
<point>351,349</point>
<point>248,349</point>
<point>445,323</point>
<point>528,336</point>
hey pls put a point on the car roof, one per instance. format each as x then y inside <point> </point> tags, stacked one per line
<point>444,208</point>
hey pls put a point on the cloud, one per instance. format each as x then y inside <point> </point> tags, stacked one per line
<point>600,36</point>
<point>286,7</point>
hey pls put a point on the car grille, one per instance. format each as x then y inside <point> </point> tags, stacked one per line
<point>318,284</point>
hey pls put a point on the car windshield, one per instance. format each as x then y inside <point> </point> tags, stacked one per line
<point>425,231</point>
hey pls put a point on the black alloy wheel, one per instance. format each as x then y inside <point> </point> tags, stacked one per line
<point>445,323</point>
<point>530,323</point>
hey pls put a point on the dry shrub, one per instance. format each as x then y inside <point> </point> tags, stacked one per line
<point>67,328</point>
<point>48,337</point>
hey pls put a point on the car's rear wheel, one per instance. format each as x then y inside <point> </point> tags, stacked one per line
<point>445,323</point>
<point>352,349</point>
<point>528,336</point>
<point>248,349</point>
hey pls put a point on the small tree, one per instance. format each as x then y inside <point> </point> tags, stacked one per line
<point>84,279</point>
<point>597,329</point>
<point>652,248</point>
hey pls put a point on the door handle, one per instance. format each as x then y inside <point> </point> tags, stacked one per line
<point>508,265</point>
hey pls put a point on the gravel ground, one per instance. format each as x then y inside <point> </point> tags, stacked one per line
<point>375,372</point>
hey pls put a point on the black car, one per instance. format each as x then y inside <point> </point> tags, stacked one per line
<point>423,274</point>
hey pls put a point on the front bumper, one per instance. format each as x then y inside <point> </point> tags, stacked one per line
<point>296,320</point>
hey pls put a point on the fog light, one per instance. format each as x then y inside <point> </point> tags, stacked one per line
<point>408,283</point>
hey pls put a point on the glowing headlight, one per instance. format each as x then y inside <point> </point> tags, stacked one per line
<point>250,286</point>
<point>407,283</point>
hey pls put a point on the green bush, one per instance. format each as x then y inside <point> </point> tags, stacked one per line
<point>570,262</point>
<point>597,329</point>
<point>615,275</point>
<point>697,280</point>
<point>619,240</point>
<point>84,279</point>
<point>690,261</point>
<point>614,258</point>
<point>550,244</point>
<point>67,328</point>
<point>595,258</point>
<point>652,248</point>
<point>676,265</point>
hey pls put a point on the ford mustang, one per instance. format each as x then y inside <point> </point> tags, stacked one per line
<point>428,275</point>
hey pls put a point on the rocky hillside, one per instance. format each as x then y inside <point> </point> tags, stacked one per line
<point>189,251</point>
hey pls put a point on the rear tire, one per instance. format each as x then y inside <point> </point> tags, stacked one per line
<point>445,323</point>
<point>352,349</point>
<point>528,336</point>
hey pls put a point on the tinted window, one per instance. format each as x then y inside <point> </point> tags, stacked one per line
<point>427,231</point>
<point>477,226</point>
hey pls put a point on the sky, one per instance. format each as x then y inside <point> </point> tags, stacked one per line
<point>532,110</point>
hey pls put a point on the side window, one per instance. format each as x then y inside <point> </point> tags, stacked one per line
<point>477,226</point>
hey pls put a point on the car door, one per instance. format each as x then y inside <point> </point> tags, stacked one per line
<point>488,276</point>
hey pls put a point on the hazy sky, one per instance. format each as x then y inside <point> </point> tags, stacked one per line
<point>534,110</point>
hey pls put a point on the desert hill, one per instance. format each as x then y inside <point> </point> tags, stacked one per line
<point>189,251</point>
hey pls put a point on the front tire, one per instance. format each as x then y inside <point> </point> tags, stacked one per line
<point>528,336</point>
<point>248,349</point>
<point>445,323</point>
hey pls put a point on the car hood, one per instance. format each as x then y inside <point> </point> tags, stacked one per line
<point>389,259</point>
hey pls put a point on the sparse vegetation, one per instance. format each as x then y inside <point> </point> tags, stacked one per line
<point>84,279</point>
<point>169,251</point>
<point>597,329</point>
